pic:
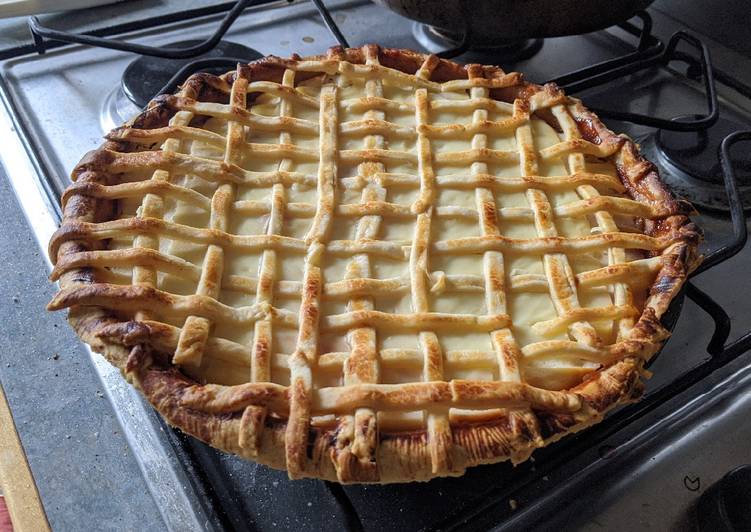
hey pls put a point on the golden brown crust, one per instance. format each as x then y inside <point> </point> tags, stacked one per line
<point>252,420</point>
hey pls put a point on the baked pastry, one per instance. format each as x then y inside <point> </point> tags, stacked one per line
<point>373,265</point>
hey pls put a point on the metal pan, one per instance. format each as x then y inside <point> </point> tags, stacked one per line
<point>494,22</point>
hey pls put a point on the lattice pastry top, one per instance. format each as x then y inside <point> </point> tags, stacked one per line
<point>374,265</point>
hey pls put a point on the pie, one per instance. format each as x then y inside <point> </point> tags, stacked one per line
<point>373,265</point>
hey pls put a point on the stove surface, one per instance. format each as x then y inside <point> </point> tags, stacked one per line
<point>59,105</point>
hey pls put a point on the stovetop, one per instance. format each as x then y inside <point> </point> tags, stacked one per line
<point>59,105</point>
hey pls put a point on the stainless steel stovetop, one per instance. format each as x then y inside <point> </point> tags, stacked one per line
<point>58,106</point>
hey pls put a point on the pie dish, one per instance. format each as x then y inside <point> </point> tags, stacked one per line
<point>374,265</point>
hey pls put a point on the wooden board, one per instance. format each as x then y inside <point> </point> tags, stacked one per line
<point>16,481</point>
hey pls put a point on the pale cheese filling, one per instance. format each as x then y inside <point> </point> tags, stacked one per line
<point>525,307</point>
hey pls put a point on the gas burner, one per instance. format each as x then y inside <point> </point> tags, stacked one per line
<point>693,167</point>
<point>145,76</point>
<point>487,52</point>
<point>117,110</point>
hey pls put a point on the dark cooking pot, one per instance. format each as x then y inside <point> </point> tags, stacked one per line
<point>499,21</point>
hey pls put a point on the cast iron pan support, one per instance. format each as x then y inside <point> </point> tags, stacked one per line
<point>648,46</point>
<point>718,315</point>
<point>599,74</point>
<point>330,24</point>
<point>740,235</point>
<point>43,35</point>
<point>737,216</point>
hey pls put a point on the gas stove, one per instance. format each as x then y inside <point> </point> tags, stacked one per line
<point>648,462</point>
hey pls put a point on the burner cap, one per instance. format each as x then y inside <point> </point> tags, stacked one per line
<point>693,158</point>
<point>695,152</point>
<point>145,76</point>
<point>487,52</point>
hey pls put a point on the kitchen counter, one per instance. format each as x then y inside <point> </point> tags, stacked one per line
<point>40,356</point>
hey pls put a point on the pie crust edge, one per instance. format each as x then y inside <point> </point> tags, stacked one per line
<point>400,457</point>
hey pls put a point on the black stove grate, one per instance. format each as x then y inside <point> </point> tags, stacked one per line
<point>607,72</point>
<point>47,38</point>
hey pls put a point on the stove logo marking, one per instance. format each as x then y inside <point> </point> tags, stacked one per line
<point>692,484</point>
